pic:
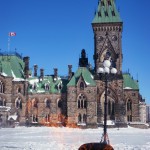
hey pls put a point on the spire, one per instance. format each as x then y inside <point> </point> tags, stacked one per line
<point>106,12</point>
<point>83,61</point>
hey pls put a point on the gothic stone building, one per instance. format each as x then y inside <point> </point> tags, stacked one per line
<point>77,100</point>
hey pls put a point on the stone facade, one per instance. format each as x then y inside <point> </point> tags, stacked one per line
<point>78,100</point>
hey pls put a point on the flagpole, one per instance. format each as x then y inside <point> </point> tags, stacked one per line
<point>8,42</point>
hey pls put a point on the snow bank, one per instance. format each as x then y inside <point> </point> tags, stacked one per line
<point>44,138</point>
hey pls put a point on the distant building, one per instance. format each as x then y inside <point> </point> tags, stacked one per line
<point>148,113</point>
<point>78,99</point>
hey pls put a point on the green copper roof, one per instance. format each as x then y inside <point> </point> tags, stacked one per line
<point>87,77</point>
<point>12,66</point>
<point>129,82</point>
<point>55,85</point>
<point>106,12</point>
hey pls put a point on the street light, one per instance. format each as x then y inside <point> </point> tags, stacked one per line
<point>106,70</point>
<point>104,144</point>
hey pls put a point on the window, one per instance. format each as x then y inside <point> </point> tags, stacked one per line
<point>2,101</point>
<point>1,87</point>
<point>82,103</point>
<point>102,3</point>
<point>60,104</point>
<point>129,118</point>
<point>109,108</point>
<point>47,118</point>
<point>79,118</point>
<point>47,87</point>
<point>99,13</point>
<point>47,103</point>
<point>34,103</point>
<point>18,90</point>
<point>34,119</point>
<point>84,118</point>
<point>129,105</point>
<point>18,103</point>
<point>34,86</point>
<point>113,13</point>
<point>81,86</point>
<point>106,13</point>
<point>109,3</point>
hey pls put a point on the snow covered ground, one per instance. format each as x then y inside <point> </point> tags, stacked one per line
<point>45,138</point>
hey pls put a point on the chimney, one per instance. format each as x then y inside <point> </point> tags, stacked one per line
<point>55,73</point>
<point>35,70</point>
<point>26,68</point>
<point>42,73</point>
<point>69,72</point>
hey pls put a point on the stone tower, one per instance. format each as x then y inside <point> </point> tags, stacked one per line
<point>107,27</point>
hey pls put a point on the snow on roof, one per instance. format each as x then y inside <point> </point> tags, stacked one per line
<point>87,83</point>
<point>32,81</point>
<point>127,88</point>
<point>14,117</point>
<point>92,76</point>
<point>4,74</point>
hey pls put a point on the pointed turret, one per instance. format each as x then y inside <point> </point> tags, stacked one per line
<point>106,12</point>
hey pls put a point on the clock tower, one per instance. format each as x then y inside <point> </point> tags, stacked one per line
<point>107,27</point>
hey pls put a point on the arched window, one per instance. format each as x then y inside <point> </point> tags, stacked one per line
<point>34,103</point>
<point>109,108</point>
<point>1,87</point>
<point>84,118</point>
<point>79,118</point>
<point>113,108</point>
<point>129,117</point>
<point>19,90</point>
<point>47,103</point>
<point>129,105</point>
<point>18,103</point>
<point>60,104</point>
<point>79,104</point>
<point>59,87</point>
<point>82,103</point>
<point>81,86</point>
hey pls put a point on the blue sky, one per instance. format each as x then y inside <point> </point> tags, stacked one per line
<point>53,33</point>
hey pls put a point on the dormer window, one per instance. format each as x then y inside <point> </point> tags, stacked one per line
<point>81,86</point>
<point>109,3</point>
<point>106,13</point>
<point>60,87</point>
<point>99,14</point>
<point>102,3</point>
<point>47,87</point>
<point>113,13</point>
<point>34,86</point>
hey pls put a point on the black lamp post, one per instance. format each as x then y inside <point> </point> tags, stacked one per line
<point>106,70</point>
<point>104,144</point>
